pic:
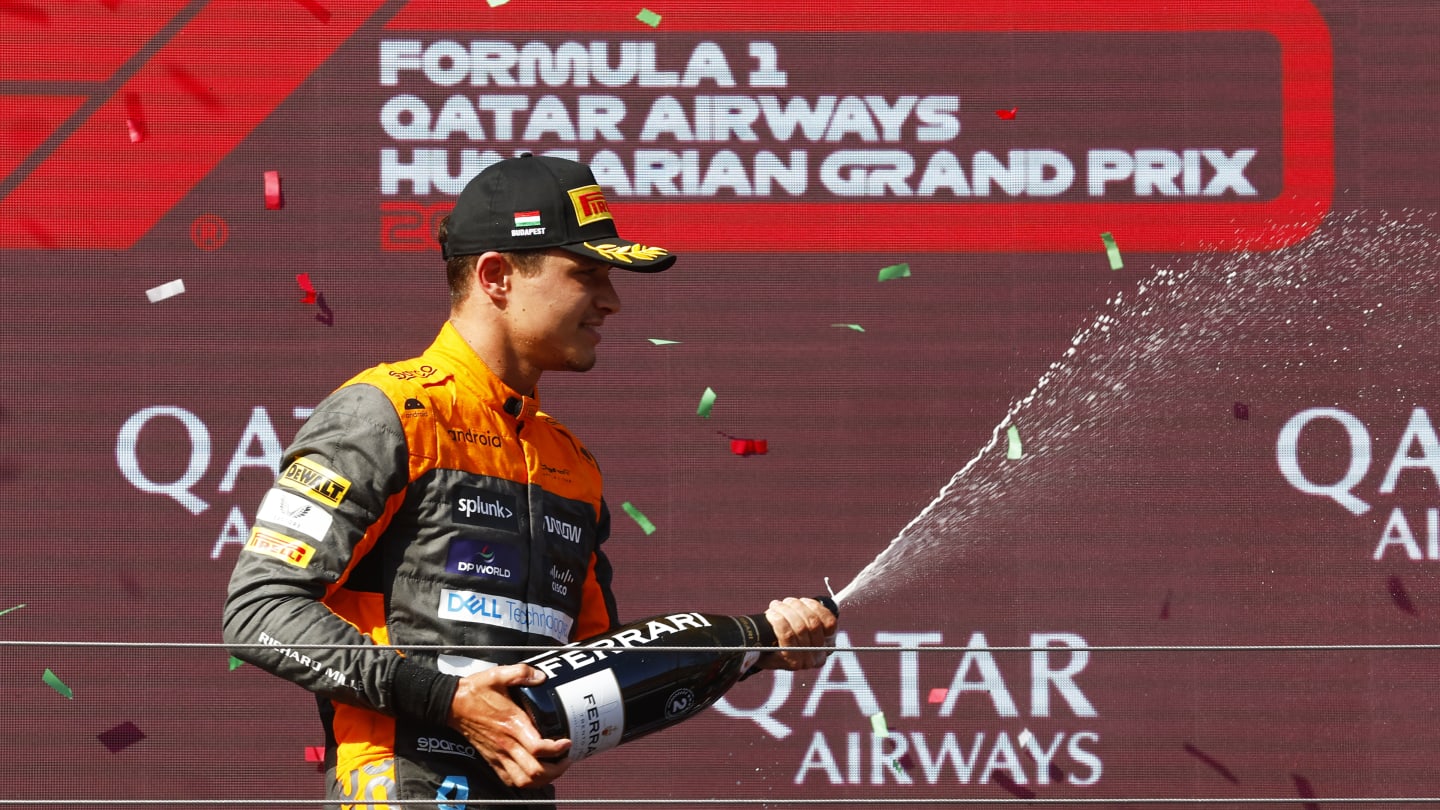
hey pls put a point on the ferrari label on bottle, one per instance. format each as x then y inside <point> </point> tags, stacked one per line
<point>596,713</point>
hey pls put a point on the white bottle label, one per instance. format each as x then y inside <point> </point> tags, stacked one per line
<point>596,713</point>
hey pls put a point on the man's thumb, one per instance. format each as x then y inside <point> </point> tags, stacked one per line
<point>525,675</point>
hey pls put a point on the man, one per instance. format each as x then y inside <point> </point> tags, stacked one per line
<point>432,502</point>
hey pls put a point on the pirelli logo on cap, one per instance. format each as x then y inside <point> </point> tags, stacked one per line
<point>317,482</point>
<point>590,205</point>
<point>274,544</point>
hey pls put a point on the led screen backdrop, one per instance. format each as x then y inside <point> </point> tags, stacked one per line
<point>1155,374</point>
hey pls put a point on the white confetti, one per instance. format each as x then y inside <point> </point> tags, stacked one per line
<point>169,289</point>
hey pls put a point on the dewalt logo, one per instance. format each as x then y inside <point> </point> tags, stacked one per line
<point>315,481</point>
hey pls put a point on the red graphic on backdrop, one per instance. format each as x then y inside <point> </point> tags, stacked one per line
<point>1306,119</point>
<point>209,232</point>
<point>196,76</point>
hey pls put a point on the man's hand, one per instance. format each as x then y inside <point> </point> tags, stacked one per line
<point>501,731</point>
<point>799,623</point>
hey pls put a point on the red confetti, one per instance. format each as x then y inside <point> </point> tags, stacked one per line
<point>749,447</point>
<point>120,737</point>
<point>1212,762</point>
<point>303,279</point>
<point>274,200</point>
<point>1242,411</point>
<point>1401,597</point>
<point>938,695</point>
<point>135,118</point>
<point>314,753</point>
<point>198,91</point>
<point>1007,115</point>
<point>321,13</point>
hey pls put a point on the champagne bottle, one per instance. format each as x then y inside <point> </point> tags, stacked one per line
<point>630,682</point>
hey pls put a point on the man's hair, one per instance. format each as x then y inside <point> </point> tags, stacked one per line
<point>460,269</point>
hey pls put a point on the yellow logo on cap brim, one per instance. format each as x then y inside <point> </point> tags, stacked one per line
<point>625,254</point>
<point>590,205</point>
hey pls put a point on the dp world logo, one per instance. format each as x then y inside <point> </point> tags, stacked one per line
<point>681,701</point>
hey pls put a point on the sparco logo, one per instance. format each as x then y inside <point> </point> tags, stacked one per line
<point>476,506</point>
<point>487,439</point>
<point>435,745</point>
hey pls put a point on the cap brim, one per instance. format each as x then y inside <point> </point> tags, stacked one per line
<point>624,254</point>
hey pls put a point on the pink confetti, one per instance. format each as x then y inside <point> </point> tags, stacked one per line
<point>1215,764</point>
<point>120,737</point>
<point>938,695</point>
<point>325,315</point>
<point>1401,597</point>
<point>135,118</point>
<point>274,200</point>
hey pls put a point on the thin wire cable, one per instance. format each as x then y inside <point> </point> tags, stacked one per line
<point>1176,800</point>
<point>857,648</point>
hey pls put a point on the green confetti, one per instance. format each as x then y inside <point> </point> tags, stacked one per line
<point>877,724</point>
<point>1112,250</point>
<point>707,401</point>
<point>1015,450</point>
<point>639,517</point>
<point>895,271</point>
<point>857,327</point>
<point>663,341</point>
<point>7,610</point>
<point>58,685</point>
<point>648,17</point>
<point>235,663</point>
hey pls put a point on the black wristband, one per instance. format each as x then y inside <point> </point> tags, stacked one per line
<point>422,693</point>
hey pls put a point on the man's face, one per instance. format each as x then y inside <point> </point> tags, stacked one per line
<point>555,313</point>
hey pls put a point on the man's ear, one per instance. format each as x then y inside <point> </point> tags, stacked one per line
<point>492,277</point>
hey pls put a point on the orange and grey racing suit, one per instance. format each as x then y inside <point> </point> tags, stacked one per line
<point>423,503</point>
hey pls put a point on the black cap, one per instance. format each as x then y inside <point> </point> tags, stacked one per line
<point>533,202</point>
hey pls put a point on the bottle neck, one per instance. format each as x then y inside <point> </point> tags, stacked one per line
<point>758,632</point>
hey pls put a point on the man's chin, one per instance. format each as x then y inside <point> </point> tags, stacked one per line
<point>580,363</point>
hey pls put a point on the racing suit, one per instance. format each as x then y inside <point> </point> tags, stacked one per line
<point>423,503</point>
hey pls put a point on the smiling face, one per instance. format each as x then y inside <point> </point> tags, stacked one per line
<point>555,309</point>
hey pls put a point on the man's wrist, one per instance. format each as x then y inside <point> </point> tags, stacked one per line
<point>423,693</point>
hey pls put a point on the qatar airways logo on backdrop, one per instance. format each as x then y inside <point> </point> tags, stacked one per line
<point>1041,733</point>
<point>166,451</point>
<point>1312,442</point>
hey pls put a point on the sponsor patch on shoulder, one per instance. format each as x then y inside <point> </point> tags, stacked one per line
<point>274,544</point>
<point>296,513</point>
<point>315,481</point>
